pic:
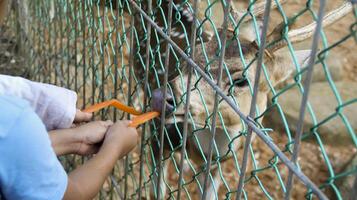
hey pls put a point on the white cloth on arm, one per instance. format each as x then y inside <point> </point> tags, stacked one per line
<point>55,106</point>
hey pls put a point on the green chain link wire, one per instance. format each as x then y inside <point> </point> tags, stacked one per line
<point>85,46</point>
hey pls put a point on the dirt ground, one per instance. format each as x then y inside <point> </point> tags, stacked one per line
<point>310,160</point>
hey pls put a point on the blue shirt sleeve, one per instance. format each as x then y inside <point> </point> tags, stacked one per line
<point>29,168</point>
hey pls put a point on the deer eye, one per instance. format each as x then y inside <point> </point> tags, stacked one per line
<point>241,82</point>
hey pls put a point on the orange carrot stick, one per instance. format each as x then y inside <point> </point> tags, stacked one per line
<point>143,118</point>
<point>140,119</point>
<point>114,103</point>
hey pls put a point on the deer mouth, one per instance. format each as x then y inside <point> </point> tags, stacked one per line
<point>175,118</point>
<point>198,136</point>
<point>174,124</point>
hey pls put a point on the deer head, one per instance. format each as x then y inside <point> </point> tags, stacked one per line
<point>237,79</point>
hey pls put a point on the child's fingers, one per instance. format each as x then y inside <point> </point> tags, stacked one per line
<point>82,116</point>
<point>88,149</point>
<point>126,122</point>
<point>108,123</point>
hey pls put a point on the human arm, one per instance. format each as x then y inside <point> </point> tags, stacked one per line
<point>86,181</point>
<point>81,140</point>
<point>56,106</point>
<point>29,169</point>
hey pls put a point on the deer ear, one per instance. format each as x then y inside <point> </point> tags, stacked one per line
<point>283,65</point>
<point>249,31</point>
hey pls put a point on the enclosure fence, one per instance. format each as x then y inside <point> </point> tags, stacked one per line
<point>221,83</point>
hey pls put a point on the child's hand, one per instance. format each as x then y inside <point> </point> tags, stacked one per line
<point>82,116</point>
<point>90,135</point>
<point>121,137</point>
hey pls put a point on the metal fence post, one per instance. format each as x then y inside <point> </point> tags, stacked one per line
<point>307,85</point>
<point>254,98</point>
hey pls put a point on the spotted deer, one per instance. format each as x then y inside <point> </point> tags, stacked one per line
<point>238,76</point>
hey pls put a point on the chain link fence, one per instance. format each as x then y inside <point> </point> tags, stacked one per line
<point>262,94</point>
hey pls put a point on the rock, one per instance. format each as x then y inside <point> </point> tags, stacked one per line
<point>335,62</point>
<point>324,104</point>
<point>334,68</point>
<point>347,185</point>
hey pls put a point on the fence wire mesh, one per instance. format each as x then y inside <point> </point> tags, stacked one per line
<point>239,93</point>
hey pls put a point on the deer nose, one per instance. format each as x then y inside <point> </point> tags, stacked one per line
<point>158,100</point>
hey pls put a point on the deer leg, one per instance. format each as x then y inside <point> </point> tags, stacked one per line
<point>213,185</point>
<point>159,182</point>
<point>186,167</point>
<point>155,178</point>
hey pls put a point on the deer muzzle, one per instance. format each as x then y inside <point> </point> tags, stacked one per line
<point>159,98</point>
